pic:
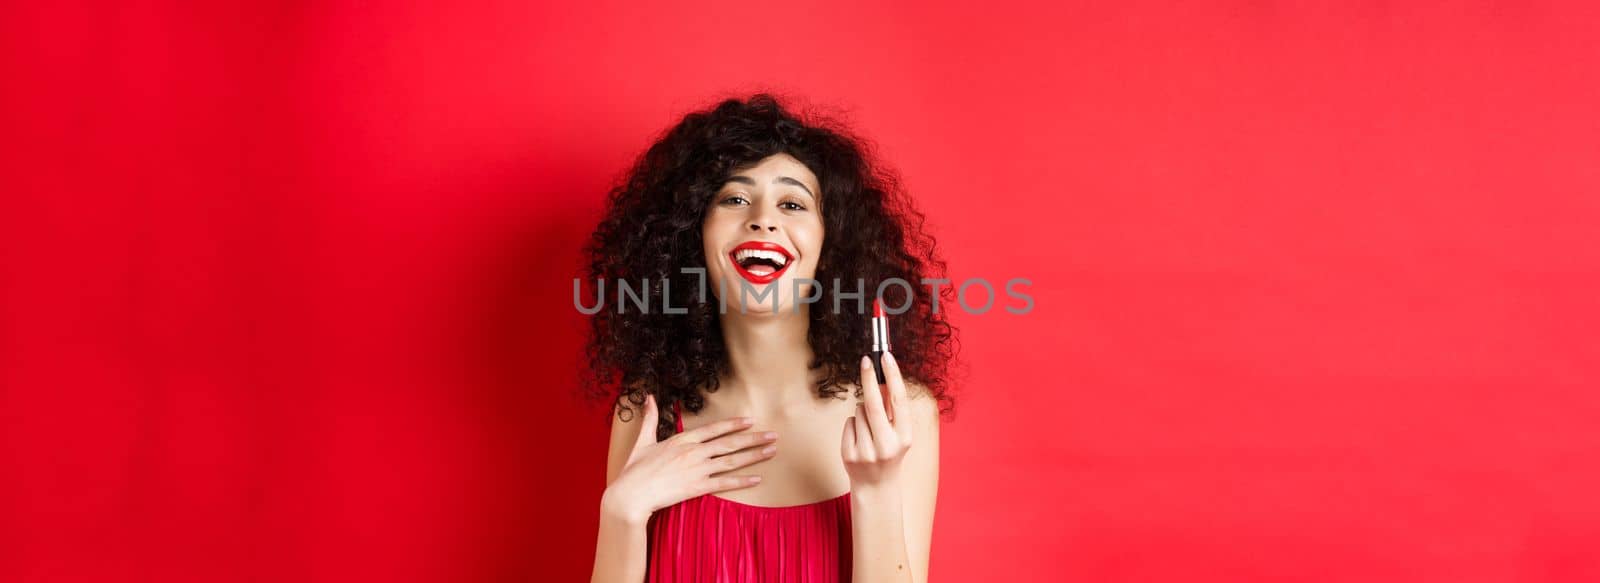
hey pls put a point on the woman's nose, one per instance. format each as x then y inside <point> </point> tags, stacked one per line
<point>759,225</point>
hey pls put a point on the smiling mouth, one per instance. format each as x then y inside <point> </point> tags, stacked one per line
<point>760,262</point>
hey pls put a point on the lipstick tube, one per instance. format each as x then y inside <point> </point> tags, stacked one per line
<point>880,339</point>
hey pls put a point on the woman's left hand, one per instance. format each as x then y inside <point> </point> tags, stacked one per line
<point>875,439</point>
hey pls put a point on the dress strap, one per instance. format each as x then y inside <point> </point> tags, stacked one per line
<point>677,415</point>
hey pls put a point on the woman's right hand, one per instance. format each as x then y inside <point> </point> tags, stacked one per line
<point>659,474</point>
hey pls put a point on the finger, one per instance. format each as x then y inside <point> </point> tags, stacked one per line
<point>647,426</point>
<point>847,447</point>
<point>897,390</point>
<point>741,459</point>
<point>871,391</point>
<point>869,379</point>
<point>869,382</point>
<point>874,414</point>
<point>864,440</point>
<point>707,432</point>
<point>731,443</point>
<point>888,403</point>
<point>724,483</point>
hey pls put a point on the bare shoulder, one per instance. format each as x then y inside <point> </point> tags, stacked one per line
<point>924,406</point>
<point>626,418</point>
<point>627,421</point>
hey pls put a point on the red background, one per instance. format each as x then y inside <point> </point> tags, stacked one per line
<point>286,286</point>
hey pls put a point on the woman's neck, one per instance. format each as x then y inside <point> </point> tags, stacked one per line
<point>768,357</point>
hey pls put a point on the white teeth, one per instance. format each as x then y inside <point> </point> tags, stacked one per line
<point>775,256</point>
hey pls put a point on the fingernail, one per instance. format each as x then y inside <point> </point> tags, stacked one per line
<point>755,479</point>
<point>889,356</point>
<point>866,362</point>
<point>769,449</point>
<point>747,421</point>
<point>770,435</point>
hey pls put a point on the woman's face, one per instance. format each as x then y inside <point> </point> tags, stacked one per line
<point>763,231</point>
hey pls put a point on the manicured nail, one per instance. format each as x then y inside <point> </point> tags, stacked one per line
<point>769,449</point>
<point>889,357</point>
<point>866,362</point>
<point>770,435</point>
<point>755,479</point>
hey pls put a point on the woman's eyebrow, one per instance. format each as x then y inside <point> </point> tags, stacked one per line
<point>742,179</point>
<point>788,180</point>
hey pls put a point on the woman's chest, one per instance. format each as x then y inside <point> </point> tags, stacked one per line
<point>807,468</point>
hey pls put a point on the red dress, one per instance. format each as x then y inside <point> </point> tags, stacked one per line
<point>709,539</point>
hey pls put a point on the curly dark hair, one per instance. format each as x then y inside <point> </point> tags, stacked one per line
<point>652,228</point>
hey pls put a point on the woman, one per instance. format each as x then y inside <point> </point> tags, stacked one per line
<point>735,453</point>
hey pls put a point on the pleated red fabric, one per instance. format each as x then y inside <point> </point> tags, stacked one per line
<point>709,539</point>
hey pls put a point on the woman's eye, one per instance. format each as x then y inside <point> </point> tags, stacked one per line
<point>791,206</point>
<point>735,199</point>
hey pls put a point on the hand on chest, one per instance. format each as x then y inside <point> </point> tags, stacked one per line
<point>807,467</point>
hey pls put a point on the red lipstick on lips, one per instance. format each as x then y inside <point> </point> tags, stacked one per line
<point>759,257</point>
